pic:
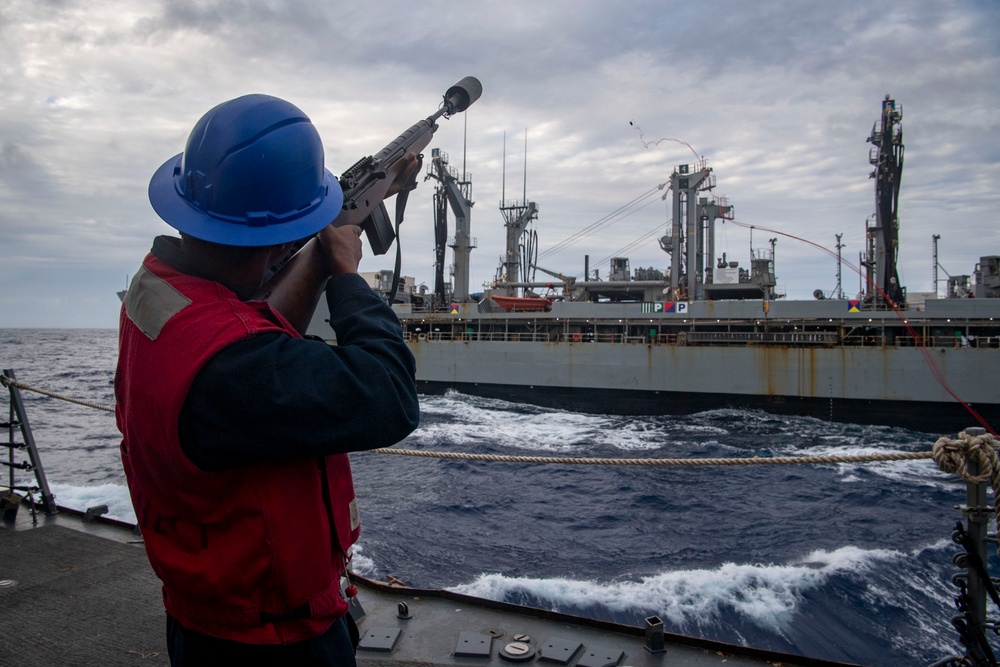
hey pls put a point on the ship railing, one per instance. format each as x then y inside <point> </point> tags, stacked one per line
<point>929,341</point>
<point>476,336</point>
<point>865,340</point>
<point>614,338</point>
<point>914,341</point>
<point>761,337</point>
<point>967,341</point>
<point>517,337</point>
<point>872,340</point>
<point>539,337</point>
<point>794,338</point>
<point>579,337</point>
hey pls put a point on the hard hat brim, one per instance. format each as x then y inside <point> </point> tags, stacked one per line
<point>189,219</point>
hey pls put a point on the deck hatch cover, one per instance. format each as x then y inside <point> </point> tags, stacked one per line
<point>473,645</point>
<point>517,652</point>
<point>601,657</point>
<point>380,639</point>
<point>560,651</point>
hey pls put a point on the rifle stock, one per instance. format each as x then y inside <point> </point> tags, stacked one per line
<point>295,288</point>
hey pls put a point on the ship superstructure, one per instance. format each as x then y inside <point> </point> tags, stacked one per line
<point>886,155</point>
<point>706,333</point>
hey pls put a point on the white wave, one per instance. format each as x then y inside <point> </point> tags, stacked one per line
<point>766,595</point>
<point>923,611</point>
<point>115,496</point>
<point>362,564</point>
<point>472,421</point>
<point>699,429</point>
<point>921,472</point>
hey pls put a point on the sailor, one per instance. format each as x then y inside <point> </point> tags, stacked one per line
<point>235,428</point>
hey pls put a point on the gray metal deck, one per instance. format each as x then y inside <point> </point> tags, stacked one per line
<point>77,599</point>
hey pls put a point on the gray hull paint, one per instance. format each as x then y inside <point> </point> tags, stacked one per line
<point>901,374</point>
<point>878,386</point>
<point>877,378</point>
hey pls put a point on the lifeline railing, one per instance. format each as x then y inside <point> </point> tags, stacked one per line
<point>972,456</point>
<point>792,338</point>
<point>18,419</point>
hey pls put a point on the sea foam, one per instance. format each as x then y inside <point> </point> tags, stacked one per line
<point>115,496</point>
<point>767,595</point>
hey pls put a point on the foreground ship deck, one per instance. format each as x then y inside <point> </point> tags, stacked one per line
<point>82,593</point>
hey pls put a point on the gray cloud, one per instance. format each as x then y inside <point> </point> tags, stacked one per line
<point>779,97</point>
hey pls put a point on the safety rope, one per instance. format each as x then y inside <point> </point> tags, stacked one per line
<point>24,386</point>
<point>756,460</point>
<point>950,455</point>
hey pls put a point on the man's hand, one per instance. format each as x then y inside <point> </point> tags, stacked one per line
<point>342,248</point>
<point>408,170</point>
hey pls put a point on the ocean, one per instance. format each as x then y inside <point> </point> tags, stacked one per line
<point>848,562</point>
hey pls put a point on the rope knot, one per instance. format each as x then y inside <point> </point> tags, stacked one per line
<point>954,455</point>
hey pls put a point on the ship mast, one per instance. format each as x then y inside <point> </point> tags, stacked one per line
<point>838,292</point>
<point>517,215</point>
<point>887,157</point>
<point>456,191</point>
<point>934,240</point>
<point>691,243</point>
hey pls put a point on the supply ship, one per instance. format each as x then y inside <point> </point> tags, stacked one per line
<point>705,333</point>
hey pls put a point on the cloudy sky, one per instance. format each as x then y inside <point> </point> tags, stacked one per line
<point>778,97</point>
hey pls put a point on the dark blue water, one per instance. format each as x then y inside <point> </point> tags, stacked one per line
<point>844,562</point>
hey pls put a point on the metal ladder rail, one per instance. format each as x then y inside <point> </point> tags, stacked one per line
<point>976,586</point>
<point>19,418</point>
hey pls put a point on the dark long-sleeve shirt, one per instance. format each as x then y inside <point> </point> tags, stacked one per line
<point>273,397</point>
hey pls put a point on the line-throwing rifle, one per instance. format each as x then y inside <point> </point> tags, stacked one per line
<point>295,288</point>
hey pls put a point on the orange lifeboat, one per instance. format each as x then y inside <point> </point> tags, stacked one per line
<point>521,303</point>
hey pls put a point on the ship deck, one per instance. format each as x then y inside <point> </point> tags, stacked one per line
<point>82,593</point>
<point>77,597</point>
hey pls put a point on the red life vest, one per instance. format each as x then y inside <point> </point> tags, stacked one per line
<point>252,554</point>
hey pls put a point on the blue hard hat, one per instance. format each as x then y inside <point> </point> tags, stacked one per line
<point>251,174</point>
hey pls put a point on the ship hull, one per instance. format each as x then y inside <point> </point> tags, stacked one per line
<point>892,386</point>
<point>915,369</point>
